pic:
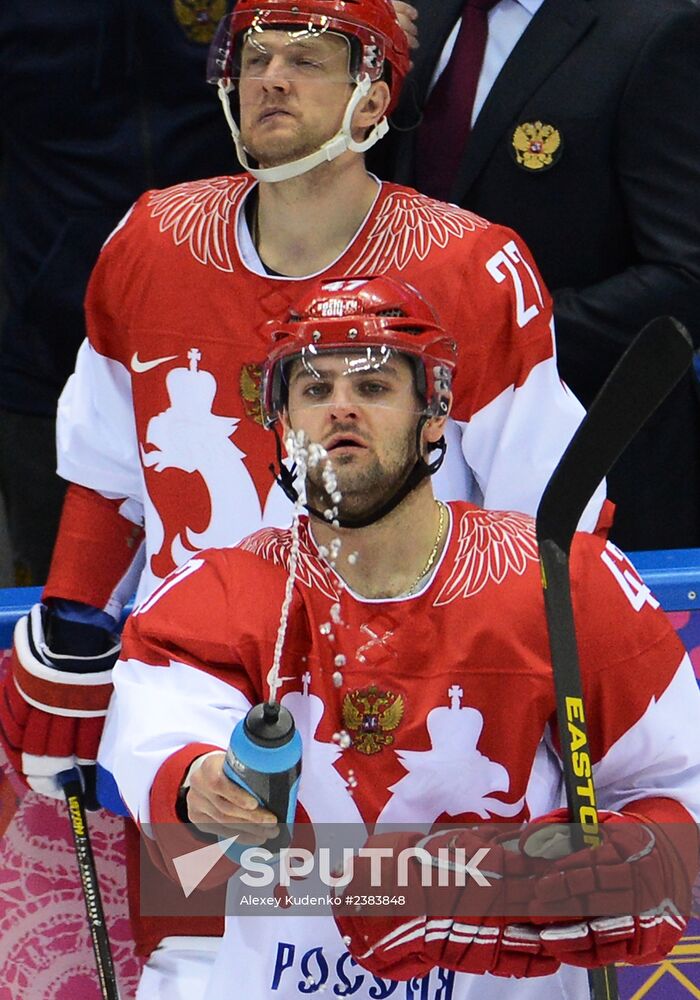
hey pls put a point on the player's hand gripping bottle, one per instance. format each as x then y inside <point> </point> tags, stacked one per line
<point>264,758</point>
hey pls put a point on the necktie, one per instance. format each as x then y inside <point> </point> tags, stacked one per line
<point>444,131</point>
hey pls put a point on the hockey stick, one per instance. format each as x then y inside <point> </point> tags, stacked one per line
<point>73,790</point>
<point>648,370</point>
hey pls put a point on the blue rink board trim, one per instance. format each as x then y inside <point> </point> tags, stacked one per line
<point>672,574</point>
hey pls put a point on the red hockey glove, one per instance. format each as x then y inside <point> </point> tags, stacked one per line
<point>620,902</point>
<point>431,928</point>
<point>52,706</point>
<point>637,940</point>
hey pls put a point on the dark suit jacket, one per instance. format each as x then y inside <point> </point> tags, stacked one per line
<point>100,102</point>
<point>614,223</point>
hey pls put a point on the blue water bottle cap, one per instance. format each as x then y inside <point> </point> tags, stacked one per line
<point>269,724</point>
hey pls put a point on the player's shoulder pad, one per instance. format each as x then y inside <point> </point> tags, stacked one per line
<point>206,585</point>
<point>615,610</point>
<point>203,609</point>
<point>407,205</point>
<point>487,528</point>
<point>406,226</point>
<point>181,210</point>
<point>273,545</point>
<point>492,553</point>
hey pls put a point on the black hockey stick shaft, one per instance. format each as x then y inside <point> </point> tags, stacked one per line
<point>73,790</point>
<point>649,369</point>
<point>647,372</point>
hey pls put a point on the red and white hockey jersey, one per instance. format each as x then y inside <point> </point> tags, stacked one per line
<point>446,695</point>
<point>163,408</point>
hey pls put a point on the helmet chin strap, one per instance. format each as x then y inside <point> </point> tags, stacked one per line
<point>420,471</point>
<point>330,150</point>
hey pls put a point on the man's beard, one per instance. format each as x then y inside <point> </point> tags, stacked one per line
<point>275,152</point>
<point>363,490</point>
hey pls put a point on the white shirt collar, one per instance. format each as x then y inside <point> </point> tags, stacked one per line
<point>531,6</point>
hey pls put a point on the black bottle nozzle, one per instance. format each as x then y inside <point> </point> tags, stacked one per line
<point>271,711</point>
<point>269,724</point>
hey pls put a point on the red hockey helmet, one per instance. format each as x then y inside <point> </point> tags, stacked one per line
<point>356,313</point>
<point>375,36</point>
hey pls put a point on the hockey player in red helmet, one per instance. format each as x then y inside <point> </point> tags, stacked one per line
<point>412,654</point>
<point>353,331</point>
<point>377,49</point>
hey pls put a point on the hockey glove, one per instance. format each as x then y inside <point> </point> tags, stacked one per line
<point>619,902</point>
<point>433,928</point>
<point>53,704</point>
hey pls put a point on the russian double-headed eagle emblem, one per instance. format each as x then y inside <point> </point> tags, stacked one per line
<point>249,384</point>
<point>536,145</point>
<point>199,18</point>
<point>370,716</point>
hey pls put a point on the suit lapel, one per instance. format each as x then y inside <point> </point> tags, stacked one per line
<point>549,37</point>
<point>434,27</point>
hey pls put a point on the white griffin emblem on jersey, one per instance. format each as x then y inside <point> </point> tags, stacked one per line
<point>189,436</point>
<point>491,545</point>
<point>452,777</point>
<point>275,546</point>
<point>409,226</point>
<point>198,213</point>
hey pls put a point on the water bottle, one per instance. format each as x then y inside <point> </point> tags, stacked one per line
<point>264,758</point>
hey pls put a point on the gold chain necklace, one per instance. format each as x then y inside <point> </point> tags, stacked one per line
<point>433,555</point>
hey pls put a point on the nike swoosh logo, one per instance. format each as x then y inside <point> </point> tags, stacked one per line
<point>145,366</point>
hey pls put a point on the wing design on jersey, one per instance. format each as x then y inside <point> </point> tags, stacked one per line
<point>275,545</point>
<point>199,213</point>
<point>392,716</point>
<point>352,716</point>
<point>491,544</point>
<point>409,226</point>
